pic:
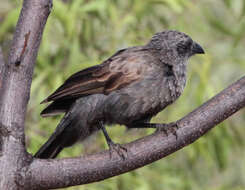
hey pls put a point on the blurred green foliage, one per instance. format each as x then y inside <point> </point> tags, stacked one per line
<point>81,33</point>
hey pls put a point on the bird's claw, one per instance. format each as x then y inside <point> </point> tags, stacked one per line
<point>119,149</point>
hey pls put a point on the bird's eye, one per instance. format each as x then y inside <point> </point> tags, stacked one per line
<point>184,47</point>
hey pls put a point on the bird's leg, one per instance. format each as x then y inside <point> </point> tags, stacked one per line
<point>120,150</point>
<point>172,127</point>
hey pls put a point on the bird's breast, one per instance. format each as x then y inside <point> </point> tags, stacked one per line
<point>179,78</point>
<point>145,97</point>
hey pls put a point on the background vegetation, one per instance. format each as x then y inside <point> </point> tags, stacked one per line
<point>81,33</point>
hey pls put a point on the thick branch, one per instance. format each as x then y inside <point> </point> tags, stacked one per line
<point>15,80</point>
<point>2,66</point>
<point>58,173</point>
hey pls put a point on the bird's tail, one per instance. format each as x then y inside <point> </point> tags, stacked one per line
<point>59,139</point>
<point>73,126</point>
<point>51,148</point>
<point>71,129</point>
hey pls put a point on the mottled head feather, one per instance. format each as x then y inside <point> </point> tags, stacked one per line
<point>173,46</point>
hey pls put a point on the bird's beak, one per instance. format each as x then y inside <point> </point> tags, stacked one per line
<point>197,49</point>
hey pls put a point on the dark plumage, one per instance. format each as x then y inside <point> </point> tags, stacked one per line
<point>129,88</point>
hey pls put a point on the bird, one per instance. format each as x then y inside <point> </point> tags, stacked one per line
<point>128,88</point>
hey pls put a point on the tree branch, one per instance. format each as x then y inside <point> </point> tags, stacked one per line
<point>59,173</point>
<point>15,80</point>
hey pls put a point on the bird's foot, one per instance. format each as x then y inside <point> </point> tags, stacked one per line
<point>114,147</point>
<point>168,128</point>
<point>119,149</point>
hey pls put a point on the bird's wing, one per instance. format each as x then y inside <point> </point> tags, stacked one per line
<point>121,69</point>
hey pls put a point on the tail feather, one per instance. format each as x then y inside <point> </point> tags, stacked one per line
<point>73,126</point>
<point>51,148</point>
<point>66,134</point>
<point>55,143</point>
<point>57,107</point>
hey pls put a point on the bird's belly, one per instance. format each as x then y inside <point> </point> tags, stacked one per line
<point>126,107</point>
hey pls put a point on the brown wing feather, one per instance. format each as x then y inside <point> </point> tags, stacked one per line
<point>116,72</point>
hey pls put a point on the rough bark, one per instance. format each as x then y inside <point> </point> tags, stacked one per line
<point>2,66</point>
<point>20,171</point>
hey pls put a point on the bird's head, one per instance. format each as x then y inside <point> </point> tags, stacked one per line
<point>174,46</point>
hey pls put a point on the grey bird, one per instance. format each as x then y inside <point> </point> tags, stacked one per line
<point>129,88</point>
